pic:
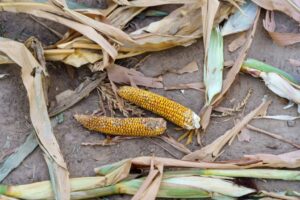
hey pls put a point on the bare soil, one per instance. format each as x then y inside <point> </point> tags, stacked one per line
<point>15,121</point>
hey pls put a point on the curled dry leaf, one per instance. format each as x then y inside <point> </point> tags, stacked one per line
<point>119,74</point>
<point>282,39</point>
<point>39,115</point>
<point>289,7</point>
<point>213,150</point>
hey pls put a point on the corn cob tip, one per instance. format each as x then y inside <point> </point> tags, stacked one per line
<point>195,121</point>
<point>81,118</point>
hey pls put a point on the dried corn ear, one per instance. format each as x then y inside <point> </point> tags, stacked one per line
<point>123,126</point>
<point>170,110</point>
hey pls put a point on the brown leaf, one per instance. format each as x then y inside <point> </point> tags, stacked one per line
<point>69,98</point>
<point>189,68</point>
<point>286,160</point>
<point>294,62</point>
<point>213,150</point>
<point>183,86</point>
<point>170,140</point>
<point>119,74</point>
<point>290,7</point>
<point>237,43</point>
<point>205,114</point>
<point>282,39</point>
<point>39,115</point>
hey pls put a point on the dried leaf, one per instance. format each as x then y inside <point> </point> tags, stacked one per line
<point>5,60</point>
<point>279,117</point>
<point>151,184</point>
<point>170,140</point>
<point>189,68</point>
<point>209,11</point>
<point>213,150</point>
<point>286,160</point>
<point>183,86</point>
<point>276,136</point>
<point>69,98</point>
<point>289,7</point>
<point>38,113</point>
<point>237,43</point>
<point>119,74</point>
<point>282,39</point>
<point>15,159</point>
<point>241,20</point>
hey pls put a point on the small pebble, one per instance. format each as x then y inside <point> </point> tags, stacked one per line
<point>291,123</point>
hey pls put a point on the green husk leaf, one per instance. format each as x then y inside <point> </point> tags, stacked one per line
<point>263,67</point>
<point>213,69</point>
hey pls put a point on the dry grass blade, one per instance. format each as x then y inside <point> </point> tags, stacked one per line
<point>170,140</point>
<point>278,137</point>
<point>289,7</point>
<point>209,11</point>
<point>231,74</point>
<point>213,150</point>
<point>282,39</point>
<point>38,113</point>
<point>119,74</point>
<point>69,98</point>
<point>183,86</point>
<point>286,160</point>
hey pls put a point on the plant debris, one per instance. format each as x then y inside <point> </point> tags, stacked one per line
<point>96,39</point>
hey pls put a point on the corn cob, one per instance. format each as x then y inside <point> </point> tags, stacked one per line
<point>123,126</point>
<point>170,110</point>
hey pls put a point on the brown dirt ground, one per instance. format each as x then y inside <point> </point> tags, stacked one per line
<point>15,123</point>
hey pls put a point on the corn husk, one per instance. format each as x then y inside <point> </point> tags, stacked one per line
<point>278,81</point>
<point>213,69</point>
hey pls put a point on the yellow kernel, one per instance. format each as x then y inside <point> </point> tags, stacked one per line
<point>123,126</point>
<point>170,110</point>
